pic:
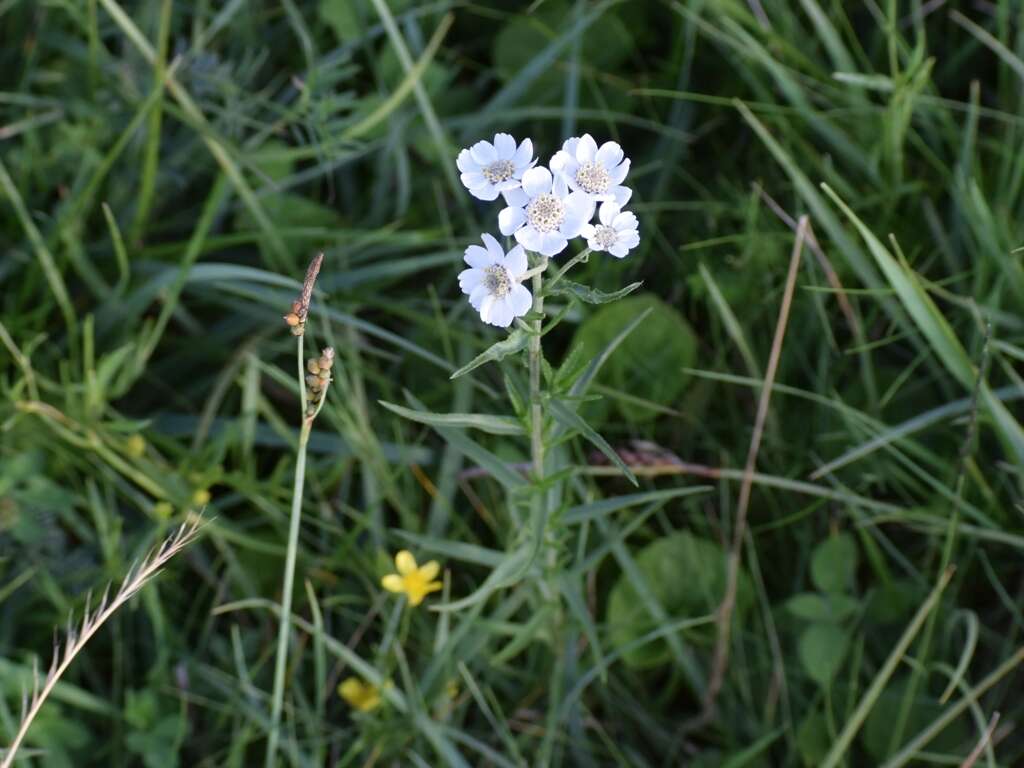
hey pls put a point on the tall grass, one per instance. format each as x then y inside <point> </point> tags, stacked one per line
<point>166,171</point>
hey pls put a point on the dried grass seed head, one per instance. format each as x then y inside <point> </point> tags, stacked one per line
<point>296,318</point>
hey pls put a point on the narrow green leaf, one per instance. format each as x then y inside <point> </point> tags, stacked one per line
<point>516,342</point>
<point>598,509</point>
<point>494,425</point>
<point>590,295</point>
<point>569,418</point>
<point>514,567</point>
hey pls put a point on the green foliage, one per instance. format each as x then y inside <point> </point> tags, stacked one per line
<point>162,186</point>
<point>650,365</point>
<point>679,575</point>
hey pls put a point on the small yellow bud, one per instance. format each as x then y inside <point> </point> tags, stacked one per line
<point>163,510</point>
<point>292,319</point>
<point>201,497</point>
<point>136,446</point>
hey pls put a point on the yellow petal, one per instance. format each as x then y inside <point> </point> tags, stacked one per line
<point>393,583</point>
<point>351,690</point>
<point>405,562</point>
<point>416,596</point>
<point>429,570</point>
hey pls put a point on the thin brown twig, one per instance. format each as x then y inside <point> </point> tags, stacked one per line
<point>986,737</point>
<point>823,261</point>
<point>720,660</point>
<point>139,574</point>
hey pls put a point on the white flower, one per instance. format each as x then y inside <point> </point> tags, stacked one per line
<point>543,215</point>
<point>598,173</point>
<point>488,169</point>
<point>617,232</point>
<point>493,282</point>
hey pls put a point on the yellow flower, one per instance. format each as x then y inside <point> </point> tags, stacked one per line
<point>415,581</point>
<point>359,695</point>
<point>201,497</point>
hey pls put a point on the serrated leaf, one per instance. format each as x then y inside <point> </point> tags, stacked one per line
<point>494,425</point>
<point>516,342</point>
<point>590,295</point>
<point>569,418</point>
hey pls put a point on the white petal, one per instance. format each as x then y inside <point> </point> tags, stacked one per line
<point>559,188</point>
<point>570,144</point>
<point>619,172</point>
<point>466,163</point>
<point>618,250</point>
<point>507,184</point>
<point>515,197</point>
<point>588,230</point>
<point>529,238</point>
<point>609,154</point>
<point>477,296</point>
<point>560,161</point>
<point>630,239</point>
<point>552,243</point>
<point>470,279</point>
<point>504,145</point>
<point>477,257</point>
<point>501,314</point>
<point>624,221</point>
<point>511,219</point>
<point>524,155</point>
<point>586,149</point>
<point>608,212</point>
<point>494,249</point>
<point>537,181</point>
<point>485,191</point>
<point>515,262</point>
<point>594,245</point>
<point>483,152</point>
<point>621,195</point>
<point>472,179</point>
<point>486,306</point>
<point>520,299</point>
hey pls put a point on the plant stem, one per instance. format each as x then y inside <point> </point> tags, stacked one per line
<point>536,412</point>
<point>281,661</point>
<point>581,256</point>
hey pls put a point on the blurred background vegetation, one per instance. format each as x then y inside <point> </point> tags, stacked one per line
<point>167,168</point>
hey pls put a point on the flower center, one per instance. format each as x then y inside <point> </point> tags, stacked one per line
<point>545,213</point>
<point>497,281</point>
<point>593,178</point>
<point>499,170</point>
<point>605,236</point>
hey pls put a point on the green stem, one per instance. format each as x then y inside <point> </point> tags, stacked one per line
<point>281,660</point>
<point>582,256</point>
<point>536,411</point>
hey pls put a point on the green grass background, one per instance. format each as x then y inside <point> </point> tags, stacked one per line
<point>167,168</point>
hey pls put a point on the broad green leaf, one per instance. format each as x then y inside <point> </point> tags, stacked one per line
<point>649,366</point>
<point>590,295</point>
<point>877,735</point>
<point>569,418</point>
<point>812,739</point>
<point>686,575</point>
<point>834,563</point>
<point>495,425</point>
<point>822,650</point>
<point>813,606</point>
<point>516,342</point>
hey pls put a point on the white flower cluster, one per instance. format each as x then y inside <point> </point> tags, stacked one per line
<point>546,207</point>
